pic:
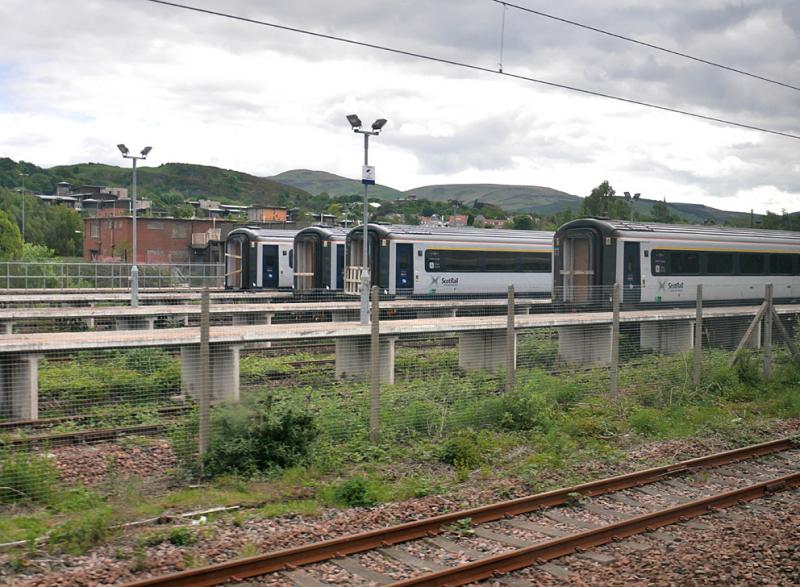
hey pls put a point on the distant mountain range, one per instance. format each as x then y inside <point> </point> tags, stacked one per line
<point>302,187</point>
<point>544,201</point>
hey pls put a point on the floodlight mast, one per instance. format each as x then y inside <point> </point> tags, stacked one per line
<point>356,124</point>
<point>134,267</point>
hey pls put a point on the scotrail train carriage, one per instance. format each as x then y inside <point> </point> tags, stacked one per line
<point>319,258</point>
<point>420,260</point>
<point>664,263</point>
<point>259,258</point>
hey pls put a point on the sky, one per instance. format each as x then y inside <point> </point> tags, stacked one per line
<point>79,76</point>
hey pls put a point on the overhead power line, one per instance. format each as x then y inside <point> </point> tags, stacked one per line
<point>472,67</point>
<point>650,45</point>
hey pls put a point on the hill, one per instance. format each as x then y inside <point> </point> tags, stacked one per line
<point>318,182</point>
<point>159,183</point>
<point>512,198</point>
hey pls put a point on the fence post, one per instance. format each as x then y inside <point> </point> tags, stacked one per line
<point>375,369</point>
<point>768,332</point>
<point>511,355</point>
<point>615,339</point>
<point>205,377</point>
<point>698,336</point>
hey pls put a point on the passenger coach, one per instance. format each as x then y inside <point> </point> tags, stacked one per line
<point>319,258</point>
<point>665,263</point>
<point>423,260</point>
<point>259,258</point>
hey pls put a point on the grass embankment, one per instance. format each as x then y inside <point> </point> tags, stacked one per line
<point>440,429</point>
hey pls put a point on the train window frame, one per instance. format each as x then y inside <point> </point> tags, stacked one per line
<point>674,253</point>
<point>743,255</point>
<point>786,257</point>
<point>718,254</point>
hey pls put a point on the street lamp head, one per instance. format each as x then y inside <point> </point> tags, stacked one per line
<point>146,150</point>
<point>123,149</point>
<point>627,195</point>
<point>378,124</point>
<point>354,121</point>
<point>636,196</point>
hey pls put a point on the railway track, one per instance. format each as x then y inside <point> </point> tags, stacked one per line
<point>490,541</point>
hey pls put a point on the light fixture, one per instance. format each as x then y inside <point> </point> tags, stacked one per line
<point>378,124</point>
<point>354,121</point>
<point>146,150</point>
<point>123,149</point>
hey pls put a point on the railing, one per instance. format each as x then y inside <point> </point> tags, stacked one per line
<point>352,280</point>
<point>76,275</point>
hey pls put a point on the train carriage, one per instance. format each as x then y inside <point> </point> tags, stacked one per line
<point>658,263</point>
<point>259,258</point>
<point>319,258</point>
<point>427,260</point>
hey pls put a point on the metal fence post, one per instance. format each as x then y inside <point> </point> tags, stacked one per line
<point>698,336</point>
<point>615,339</point>
<point>768,332</point>
<point>375,369</point>
<point>511,354</point>
<point>205,377</point>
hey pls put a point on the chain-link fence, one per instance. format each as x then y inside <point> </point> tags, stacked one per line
<point>217,387</point>
<point>42,275</point>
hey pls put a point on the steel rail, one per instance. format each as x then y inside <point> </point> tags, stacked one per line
<point>354,543</point>
<point>70,438</point>
<point>531,555</point>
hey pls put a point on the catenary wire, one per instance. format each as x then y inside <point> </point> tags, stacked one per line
<point>646,44</point>
<point>473,67</point>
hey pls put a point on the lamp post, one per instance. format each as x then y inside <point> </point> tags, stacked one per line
<point>631,199</point>
<point>134,268</point>
<point>23,175</point>
<point>367,178</point>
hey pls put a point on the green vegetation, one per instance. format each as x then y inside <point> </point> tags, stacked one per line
<point>10,238</point>
<point>55,228</point>
<point>26,478</point>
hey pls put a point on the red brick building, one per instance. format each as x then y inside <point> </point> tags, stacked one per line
<point>159,240</point>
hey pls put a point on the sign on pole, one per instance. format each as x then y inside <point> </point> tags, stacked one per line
<point>368,174</point>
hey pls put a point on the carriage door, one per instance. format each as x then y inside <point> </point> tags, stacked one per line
<point>339,267</point>
<point>404,254</point>
<point>233,264</point>
<point>631,273</point>
<point>269,267</point>
<point>579,267</point>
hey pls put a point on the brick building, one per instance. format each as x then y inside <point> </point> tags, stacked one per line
<point>159,240</point>
<point>267,214</point>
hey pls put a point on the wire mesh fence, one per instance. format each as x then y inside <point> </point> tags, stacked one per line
<point>268,385</point>
<point>42,275</point>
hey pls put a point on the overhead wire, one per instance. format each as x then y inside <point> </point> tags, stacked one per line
<point>646,44</point>
<point>472,67</point>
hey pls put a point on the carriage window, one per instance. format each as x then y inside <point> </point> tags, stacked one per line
<point>451,261</point>
<point>719,263</point>
<point>291,258</point>
<point>780,264</point>
<point>659,262</point>
<point>534,262</point>
<point>751,263</point>
<point>684,263</point>
<point>499,261</point>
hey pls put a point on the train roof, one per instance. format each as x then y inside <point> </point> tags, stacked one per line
<point>400,231</point>
<point>623,228</point>
<point>261,233</point>
<point>325,232</point>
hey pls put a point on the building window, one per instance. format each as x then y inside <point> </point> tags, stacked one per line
<point>155,224</point>
<point>94,229</point>
<point>180,230</point>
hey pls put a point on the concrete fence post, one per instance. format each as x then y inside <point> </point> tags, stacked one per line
<point>615,339</point>
<point>374,368</point>
<point>698,336</point>
<point>768,332</point>
<point>511,341</point>
<point>205,376</point>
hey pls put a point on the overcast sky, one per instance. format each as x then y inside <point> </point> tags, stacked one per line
<point>79,76</point>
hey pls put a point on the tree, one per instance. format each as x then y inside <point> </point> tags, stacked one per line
<point>660,212</point>
<point>603,202</point>
<point>10,238</point>
<point>522,222</point>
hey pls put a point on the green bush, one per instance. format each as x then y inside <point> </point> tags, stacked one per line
<point>354,492</point>
<point>182,536</point>
<point>248,438</point>
<point>26,477</point>
<point>79,535</point>
<point>461,450</point>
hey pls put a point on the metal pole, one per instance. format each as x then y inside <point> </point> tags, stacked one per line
<point>698,337</point>
<point>365,279</point>
<point>375,371</point>
<point>768,333</point>
<point>511,343</point>
<point>615,340</point>
<point>205,376</point>
<point>134,267</point>
<point>23,207</point>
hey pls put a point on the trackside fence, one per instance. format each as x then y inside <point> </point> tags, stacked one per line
<point>428,371</point>
<point>18,275</point>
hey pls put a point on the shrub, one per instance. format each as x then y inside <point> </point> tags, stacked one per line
<point>182,536</point>
<point>251,438</point>
<point>354,492</point>
<point>77,536</point>
<point>26,477</point>
<point>461,450</point>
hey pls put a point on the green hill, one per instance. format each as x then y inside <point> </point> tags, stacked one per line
<point>159,183</point>
<point>318,182</point>
<point>511,198</point>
